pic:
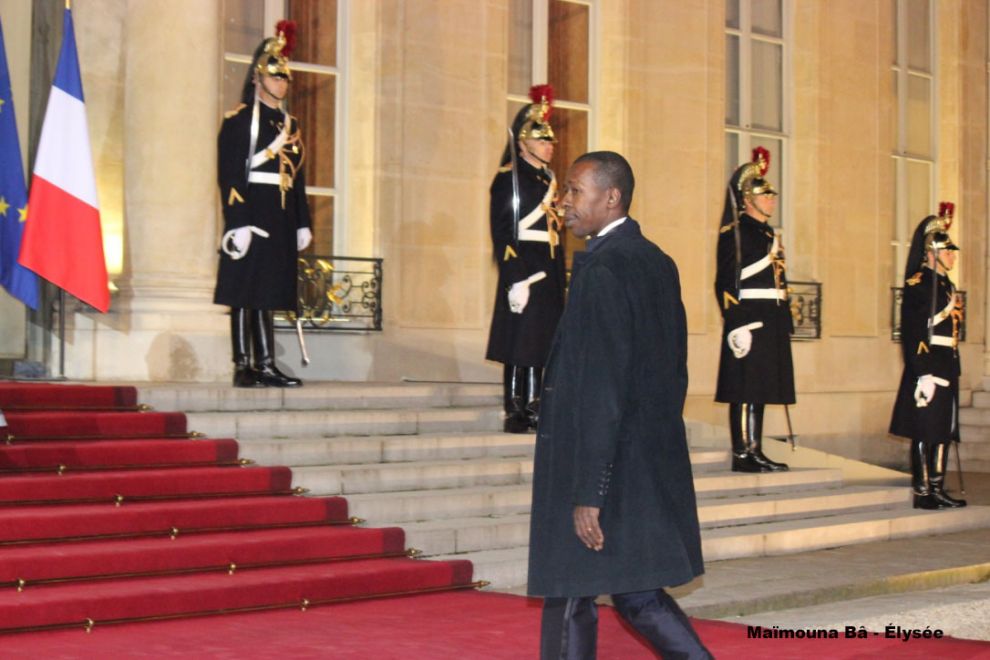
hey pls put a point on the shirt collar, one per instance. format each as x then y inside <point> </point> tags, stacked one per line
<point>610,226</point>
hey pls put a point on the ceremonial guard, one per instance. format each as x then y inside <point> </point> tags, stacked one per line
<point>526,247</point>
<point>755,366</point>
<point>927,406</point>
<point>266,216</point>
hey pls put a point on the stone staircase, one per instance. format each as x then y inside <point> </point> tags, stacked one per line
<point>974,429</point>
<point>429,457</point>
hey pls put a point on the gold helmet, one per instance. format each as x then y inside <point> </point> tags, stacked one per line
<point>273,54</point>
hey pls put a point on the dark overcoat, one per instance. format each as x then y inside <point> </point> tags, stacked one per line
<point>524,339</point>
<point>611,432</point>
<point>766,373</point>
<point>266,277</point>
<point>936,423</point>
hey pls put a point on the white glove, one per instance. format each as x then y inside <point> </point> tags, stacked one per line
<point>235,243</point>
<point>3,420</point>
<point>519,292</point>
<point>518,297</point>
<point>303,238</point>
<point>740,340</point>
<point>924,391</point>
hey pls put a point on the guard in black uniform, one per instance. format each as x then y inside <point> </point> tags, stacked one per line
<point>927,406</point>
<point>265,212</point>
<point>531,274</point>
<point>755,367</point>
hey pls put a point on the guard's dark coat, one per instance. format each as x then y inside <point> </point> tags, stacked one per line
<point>611,433</point>
<point>265,278</point>
<point>937,422</point>
<point>766,373</point>
<point>523,339</point>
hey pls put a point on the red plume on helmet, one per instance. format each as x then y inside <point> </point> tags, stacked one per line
<point>762,157</point>
<point>947,210</point>
<point>540,93</point>
<point>288,30</point>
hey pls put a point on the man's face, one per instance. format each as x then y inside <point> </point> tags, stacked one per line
<point>586,205</point>
<point>272,89</point>
<point>761,207</point>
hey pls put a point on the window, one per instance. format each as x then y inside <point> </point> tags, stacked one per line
<point>756,66</point>
<point>550,41</point>
<point>313,96</point>
<point>914,152</point>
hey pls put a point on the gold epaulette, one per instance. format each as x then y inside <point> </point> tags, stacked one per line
<point>726,228</point>
<point>914,279</point>
<point>231,113</point>
<point>505,168</point>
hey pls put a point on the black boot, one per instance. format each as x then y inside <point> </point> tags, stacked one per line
<point>263,334</point>
<point>534,385</point>
<point>938,458</point>
<point>741,429</point>
<point>514,399</point>
<point>244,375</point>
<point>756,440</point>
<point>920,484</point>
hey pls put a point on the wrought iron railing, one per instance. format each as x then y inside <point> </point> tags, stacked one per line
<point>805,300</point>
<point>897,297</point>
<point>338,294</point>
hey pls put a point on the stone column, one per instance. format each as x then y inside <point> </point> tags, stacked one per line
<point>163,325</point>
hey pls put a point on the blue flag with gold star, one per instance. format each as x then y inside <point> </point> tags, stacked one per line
<point>19,281</point>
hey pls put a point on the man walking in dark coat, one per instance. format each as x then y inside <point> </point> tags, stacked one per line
<point>613,498</point>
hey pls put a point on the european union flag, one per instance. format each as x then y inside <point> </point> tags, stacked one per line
<point>19,281</point>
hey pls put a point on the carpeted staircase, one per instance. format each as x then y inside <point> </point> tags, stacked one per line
<point>111,513</point>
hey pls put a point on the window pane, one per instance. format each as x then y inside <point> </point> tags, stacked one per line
<point>520,46</point>
<point>776,149</point>
<point>919,139</point>
<point>316,41</point>
<point>567,68</point>
<point>321,214</point>
<point>312,98</point>
<point>732,80</point>
<point>766,86</point>
<point>234,75</point>
<point>919,175</point>
<point>919,51</point>
<point>732,160</point>
<point>732,14</point>
<point>767,17</point>
<point>244,26</point>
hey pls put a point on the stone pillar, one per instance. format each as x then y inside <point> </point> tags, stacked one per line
<point>162,324</point>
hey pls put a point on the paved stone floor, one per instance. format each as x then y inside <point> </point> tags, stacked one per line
<point>961,610</point>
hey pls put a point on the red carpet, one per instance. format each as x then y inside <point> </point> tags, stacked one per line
<point>109,513</point>
<point>460,625</point>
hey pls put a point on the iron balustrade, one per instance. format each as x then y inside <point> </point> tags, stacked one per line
<point>805,301</point>
<point>337,294</point>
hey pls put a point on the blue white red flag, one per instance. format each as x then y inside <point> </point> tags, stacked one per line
<point>63,241</point>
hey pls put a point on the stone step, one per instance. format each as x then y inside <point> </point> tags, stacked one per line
<point>342,450</point>
<point>418,475</point>
<point>448,536</point>
<point>506,568</point>
<point>974,434</point>
<point>474,500</point>
<point>974,416</point>
<point>328,423</point>
<point>314,395</point>
<point>981,400</point>
<point>504,471</point>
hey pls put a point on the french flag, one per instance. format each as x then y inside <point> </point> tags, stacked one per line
<point>62,241</point>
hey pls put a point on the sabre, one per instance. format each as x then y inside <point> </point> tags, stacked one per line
<point>515,188</point>
<point>790,430</point>
<point>302,342</point>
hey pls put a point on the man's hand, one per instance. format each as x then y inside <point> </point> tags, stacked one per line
<point>740,340</point>
<point>518,297</point>
<point>924,391</point>
<point>587,528</point>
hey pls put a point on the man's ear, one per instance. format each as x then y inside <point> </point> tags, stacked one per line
<point>614,197</point>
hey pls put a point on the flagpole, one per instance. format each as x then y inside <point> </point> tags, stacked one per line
<point>61,328</point>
